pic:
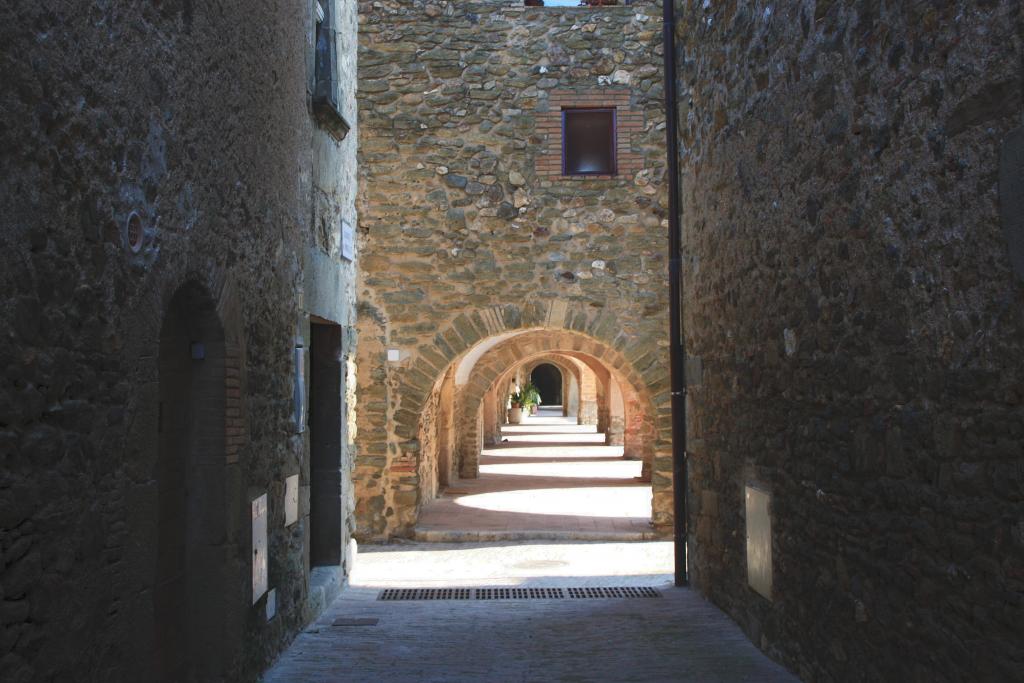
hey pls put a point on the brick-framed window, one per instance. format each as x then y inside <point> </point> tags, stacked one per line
<point>588,141</point>
<point>628,121</point>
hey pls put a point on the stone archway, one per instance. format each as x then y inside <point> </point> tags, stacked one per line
<point>194,549</point>
<point>193,582</point>
<point>495,399</point>
<point>389,488</point>
<point>494,369</point>
<point>548,380</point>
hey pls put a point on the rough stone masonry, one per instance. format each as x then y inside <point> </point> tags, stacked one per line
<point>849,289</point>
<point>470,232</point>
<point>157,163</point>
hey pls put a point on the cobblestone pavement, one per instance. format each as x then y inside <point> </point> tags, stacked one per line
<point>549,479</point>
<point>676,637</point>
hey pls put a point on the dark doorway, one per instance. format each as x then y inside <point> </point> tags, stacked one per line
<point>326,424</point>
<point>191,584</point>
<point>548,380</point>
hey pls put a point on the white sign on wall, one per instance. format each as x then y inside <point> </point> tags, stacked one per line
<point>759,541</point>
<point>259,548</point>
<point>348,241</point>
<point>291,500</point>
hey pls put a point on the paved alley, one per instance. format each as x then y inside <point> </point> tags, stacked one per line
<point>675,637</point>
<point>549,478</point>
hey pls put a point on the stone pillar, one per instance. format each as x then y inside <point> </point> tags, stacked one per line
<point>588,409</point>
<point>492,418</point>
<point>572,397</point>
<point>616,431</point>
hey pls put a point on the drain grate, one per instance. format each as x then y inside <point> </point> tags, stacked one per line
<point>424,594</point>
<point>501,593</point>
<point>519,594</point>
<point>362,621</point>
<point>613,592</point>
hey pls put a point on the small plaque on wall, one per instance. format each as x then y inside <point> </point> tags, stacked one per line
<point>759,541</point>
<point>291,500</point>
<point>259,548</point>
<point>348,241</point>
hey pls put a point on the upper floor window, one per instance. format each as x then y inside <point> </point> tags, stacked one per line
<point>572,3</point>
<point>588,142</point>
<point>327,95</point>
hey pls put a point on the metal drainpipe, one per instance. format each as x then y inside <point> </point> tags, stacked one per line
<point>677,351</point>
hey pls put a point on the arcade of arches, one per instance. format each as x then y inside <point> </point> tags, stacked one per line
<point>464,407</point>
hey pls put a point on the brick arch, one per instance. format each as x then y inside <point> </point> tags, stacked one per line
<point>221,290</point>
<point>585,373</point>
<point>639,362</point>
<point>553,361</point>
<point>202,289</point>
<point>643,361</point>
<point>498,365</point>
<point>516,352</point>
<point>611,401</point>
<point>494,404</point>
<point>567,366</point>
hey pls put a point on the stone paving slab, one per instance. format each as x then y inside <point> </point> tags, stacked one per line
<point>677,637</point>
<point>553,480</point>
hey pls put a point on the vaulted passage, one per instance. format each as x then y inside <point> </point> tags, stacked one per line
<point>548,380</point>
<point>548,477</point>
<point>479,411</point>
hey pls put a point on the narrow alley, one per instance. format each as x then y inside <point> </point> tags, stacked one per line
<point>532,573</point>
<point>460,625</point>
<point>511,341</point>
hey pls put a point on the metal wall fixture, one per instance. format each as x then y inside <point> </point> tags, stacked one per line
<point>134,232</point>
<point>299,389</point>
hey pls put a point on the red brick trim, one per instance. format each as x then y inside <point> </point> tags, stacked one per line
<point>629,122</point>
<point>235,434</point>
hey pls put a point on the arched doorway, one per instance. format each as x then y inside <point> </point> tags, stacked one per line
<point>548,380</point>
<point>193,553</point>
<point>481,348</point>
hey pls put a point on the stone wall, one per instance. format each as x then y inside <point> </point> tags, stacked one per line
<point>329,278</point>
<point>195,117</point>
<point>849,293</point>
<point>465,234</point>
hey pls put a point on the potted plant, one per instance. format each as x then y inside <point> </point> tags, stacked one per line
<point>515,411</point>
<point>531,397</point>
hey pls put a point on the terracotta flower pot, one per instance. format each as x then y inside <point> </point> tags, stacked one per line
<point>515,415</point>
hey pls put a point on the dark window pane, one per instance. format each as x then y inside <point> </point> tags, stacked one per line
<point>589,139</point>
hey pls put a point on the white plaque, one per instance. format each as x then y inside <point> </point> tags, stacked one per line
<point>759,541</point>
<point>271,604</point>
<point>259,548</point>
<point>348,241</point>
<point>291,500</point>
